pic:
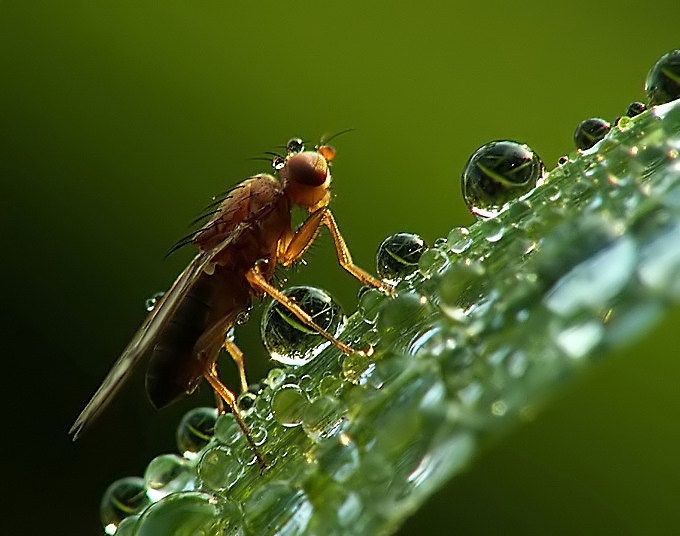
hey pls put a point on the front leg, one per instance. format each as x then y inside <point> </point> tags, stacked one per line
<point>308,231</point>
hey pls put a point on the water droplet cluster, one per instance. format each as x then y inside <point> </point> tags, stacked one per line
<point>484,322</point>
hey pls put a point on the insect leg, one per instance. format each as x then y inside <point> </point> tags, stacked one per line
<point>345,259</point>
<point>259,283</point>
<point>228,396</point>
<point>237,355</point>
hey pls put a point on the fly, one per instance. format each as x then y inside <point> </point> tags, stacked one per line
<point>247,236</point>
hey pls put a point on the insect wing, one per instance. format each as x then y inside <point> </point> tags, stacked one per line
<point>143,340</point>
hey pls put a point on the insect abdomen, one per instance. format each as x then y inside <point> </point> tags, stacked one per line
<point>177,362</point>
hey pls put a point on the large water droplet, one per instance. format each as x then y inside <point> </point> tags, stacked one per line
<point>188,512</point>
<point>290,341</point>
<point>125,497</point>
<point>497,173</point>
<point>590,131</point>
<point>167,474</point>
<point>663,81</point>
<point>195,431</point>
<point>398,255</point>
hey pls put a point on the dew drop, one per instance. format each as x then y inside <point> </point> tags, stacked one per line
<point>288,405</point>
<point>398,256</point>
<point>125,497</point>
<point>497,173</point>
<point>324,417</point>
<point>195,431</point>
<point>356,368</point>
<point>275,378</point>
<point>167,474</point>
<point>459,239</point>
<point>432,262</point>
<point>227,430</point>
<point>150,303</point>
<point>187,512</point>
<point>219,468</point>
<point>590,131</point>
<point>287,339</point>
<point>295,145</point>
<point>635,109</point>
<point>277,508</point>
<point>338,457</point>
<point>663,81</point>
<point>370,303</point>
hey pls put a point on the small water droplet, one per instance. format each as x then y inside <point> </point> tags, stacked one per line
<point>329,385</point>
<point>123,498</point>
<point>246,401</point>
<point>287,339</point>
<point>398,255</point>
<point>590,131</point>
<point>497,173</point>
<point>167,474</point>
<point>663,81</point>
<point>288,405</point>
<point>195,431</point>
<point>275,378</point>
<point>370,303</point>
<point>306,382</point>
<point>356,368</point>
<point>150,303</point>
<point>227,430</point>
<point>324,417</point>
<point>338,457</point>
<point>493,230</point>
<point>219,468</point>
<point>459,239</point>
<point>461,287</point>
<point>277,508</point>
<point>432,262</point>
<point>562,160</point>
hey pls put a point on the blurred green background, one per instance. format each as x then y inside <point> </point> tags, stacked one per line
<point>119,121</point>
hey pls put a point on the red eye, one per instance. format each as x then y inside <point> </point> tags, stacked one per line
<point>309,168</point>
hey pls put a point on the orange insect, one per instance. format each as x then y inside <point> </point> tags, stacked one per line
<point>248,235</point>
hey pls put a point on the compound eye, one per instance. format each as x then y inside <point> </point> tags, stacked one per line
<point>295,145</point>
<point>327,152</point>
<point>308,168</point>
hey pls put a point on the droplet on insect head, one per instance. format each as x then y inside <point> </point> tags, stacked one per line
<point>663,81</point>
<point>295,145</point>
<point>123,498</point>
<point>167,474</point>
<point>497,173</point>
<point>150,303</point>
<point>278,162</point>
<point>290,341</point>
<point>195,431</point>
<point>635,108</point>
<point>398,256</point>
<point>590,131</point>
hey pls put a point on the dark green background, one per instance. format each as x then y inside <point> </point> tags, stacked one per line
<point>119,121</point>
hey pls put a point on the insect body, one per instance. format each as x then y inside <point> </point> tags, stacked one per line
<point>249,234</point>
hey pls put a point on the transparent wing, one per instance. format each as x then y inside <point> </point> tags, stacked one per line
<point>144,339</point>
